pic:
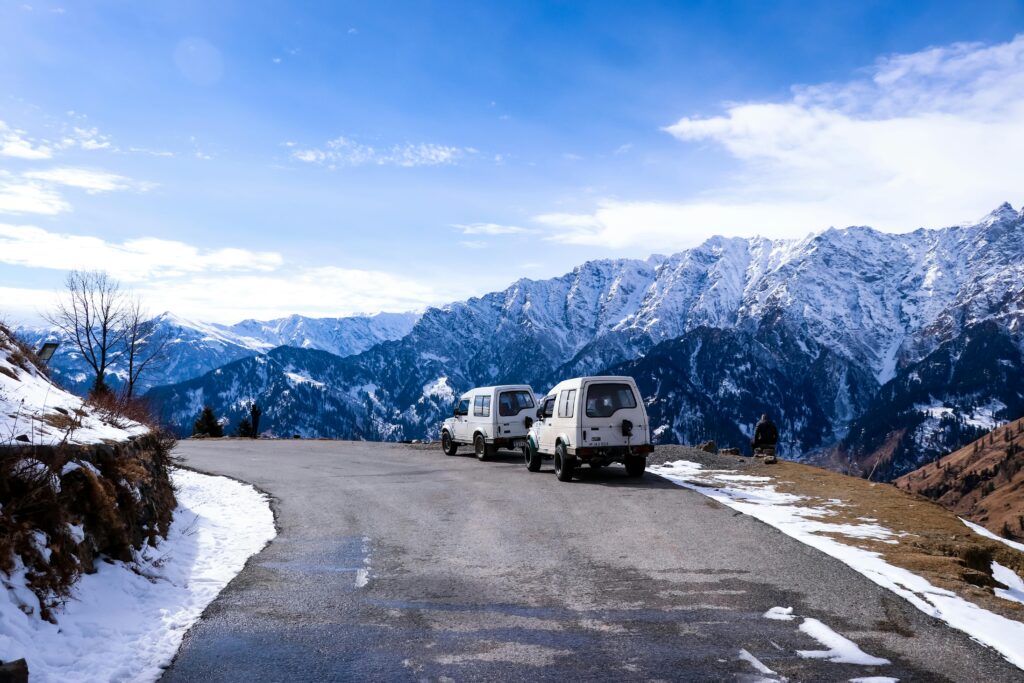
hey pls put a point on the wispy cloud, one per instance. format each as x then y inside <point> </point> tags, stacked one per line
<point>473,244</point>
<point>89,139</point>
<point>90,180</point>
<point>342,151</point>
<point>132,260</point>
<point>16,143</point>
<point>930,138</point>
<point>491,229</point>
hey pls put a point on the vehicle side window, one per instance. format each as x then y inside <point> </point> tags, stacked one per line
<point>511,402</point>
<point>485,406</point>
<point>478,406</point>
<point>549,406</point>
<point>463,408</point>
<point>567,403</point>
<point>603,400</point>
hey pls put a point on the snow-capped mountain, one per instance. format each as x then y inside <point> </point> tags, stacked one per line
<point>194,348</point>
<point>807,329</point>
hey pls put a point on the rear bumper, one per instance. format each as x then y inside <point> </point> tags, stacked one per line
<point>610,453</point>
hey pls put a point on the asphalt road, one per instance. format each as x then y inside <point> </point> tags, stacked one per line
<point>398,563</point>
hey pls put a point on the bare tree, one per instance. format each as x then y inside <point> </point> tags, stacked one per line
<point>144,345</point>
<point>91,314</point>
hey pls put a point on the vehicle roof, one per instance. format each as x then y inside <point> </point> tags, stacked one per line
<point>498,387</point>
<point>576,381</point>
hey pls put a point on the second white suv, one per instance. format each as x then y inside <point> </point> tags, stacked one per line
<point>489,418</point>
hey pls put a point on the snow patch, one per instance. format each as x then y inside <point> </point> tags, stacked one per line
<point>297,378</point>
<point>439,388</point>
<point>978,529</point>
<point>1009,578</point>
<point>126,621</point>
<point>840,649</point>
<point>780,614</point>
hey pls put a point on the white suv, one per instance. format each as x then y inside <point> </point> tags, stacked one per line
<point>592,420</point>
<point>490,418</point>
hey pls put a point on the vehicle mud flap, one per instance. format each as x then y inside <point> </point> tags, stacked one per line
<point>531,456</point>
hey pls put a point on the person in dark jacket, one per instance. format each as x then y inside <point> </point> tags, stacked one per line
<point>766,435</point>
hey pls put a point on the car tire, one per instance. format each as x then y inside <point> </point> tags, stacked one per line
<point>480,447</point>
<point>636,465</point>
<point>564,465</point>
<point>532,457</point>
<point>448,444</point>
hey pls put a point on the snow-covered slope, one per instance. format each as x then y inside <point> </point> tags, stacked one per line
<point>33,411</point>
<point>196,347</point>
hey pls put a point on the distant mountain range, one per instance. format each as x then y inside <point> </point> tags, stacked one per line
<point>195,348</point>
<point>871,350</point>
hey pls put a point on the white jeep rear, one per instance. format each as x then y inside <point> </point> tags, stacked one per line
<point>590,420</point>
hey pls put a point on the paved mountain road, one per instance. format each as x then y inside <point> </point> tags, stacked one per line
<point>399,563</point>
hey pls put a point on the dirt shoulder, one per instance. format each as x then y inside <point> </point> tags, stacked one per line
<point>930,541</point>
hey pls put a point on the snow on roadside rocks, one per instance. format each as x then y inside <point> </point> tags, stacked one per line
<point>755,496</point>
<point>125,622</point>
<point>31,405</point>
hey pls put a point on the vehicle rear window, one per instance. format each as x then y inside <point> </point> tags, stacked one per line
<point>606,398</point>
<point>511,402</point>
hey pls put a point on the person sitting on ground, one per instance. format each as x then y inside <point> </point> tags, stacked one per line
<point>766,435</point>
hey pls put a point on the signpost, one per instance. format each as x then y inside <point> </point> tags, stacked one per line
<point>46,352</point>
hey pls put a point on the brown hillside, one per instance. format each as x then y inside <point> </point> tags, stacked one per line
<point>983,481</point>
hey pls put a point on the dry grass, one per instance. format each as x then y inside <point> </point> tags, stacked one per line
<point>61,421</point>
<point>936,544</point>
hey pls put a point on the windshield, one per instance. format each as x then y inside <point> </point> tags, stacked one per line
<point>511,402</point>
<point>604,399</point>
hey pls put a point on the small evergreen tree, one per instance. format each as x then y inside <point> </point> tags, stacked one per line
<point>207,424</point>
<point>244,429</point>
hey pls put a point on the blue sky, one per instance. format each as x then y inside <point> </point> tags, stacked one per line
<point>253,159</point>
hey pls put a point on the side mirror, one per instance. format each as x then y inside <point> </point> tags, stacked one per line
<point>540,413</point>
<point>455,410</point>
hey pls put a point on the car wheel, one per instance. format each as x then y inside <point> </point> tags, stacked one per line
<point>480,447</point>
<point>564,465</point>
<point>532,457</point>
<point>447,445</point>
<point>636,465</point>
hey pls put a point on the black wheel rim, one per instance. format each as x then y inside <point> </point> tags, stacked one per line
<point>479,446</point>
<point>446,442</point>
<point>558,462</point>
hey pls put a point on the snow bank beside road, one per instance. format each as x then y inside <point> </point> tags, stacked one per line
<point>126,622</point>
<point>758,497</point>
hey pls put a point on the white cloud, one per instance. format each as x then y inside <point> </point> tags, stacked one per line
<point>491,229</point>
<point>473,244</point>
<point>18,196</point>
<point>931,138</point>
<point>92,181</point>
<point>342,151</point>
<point>322,291</point>
<point>15,143</point>
<point>132,260</point>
